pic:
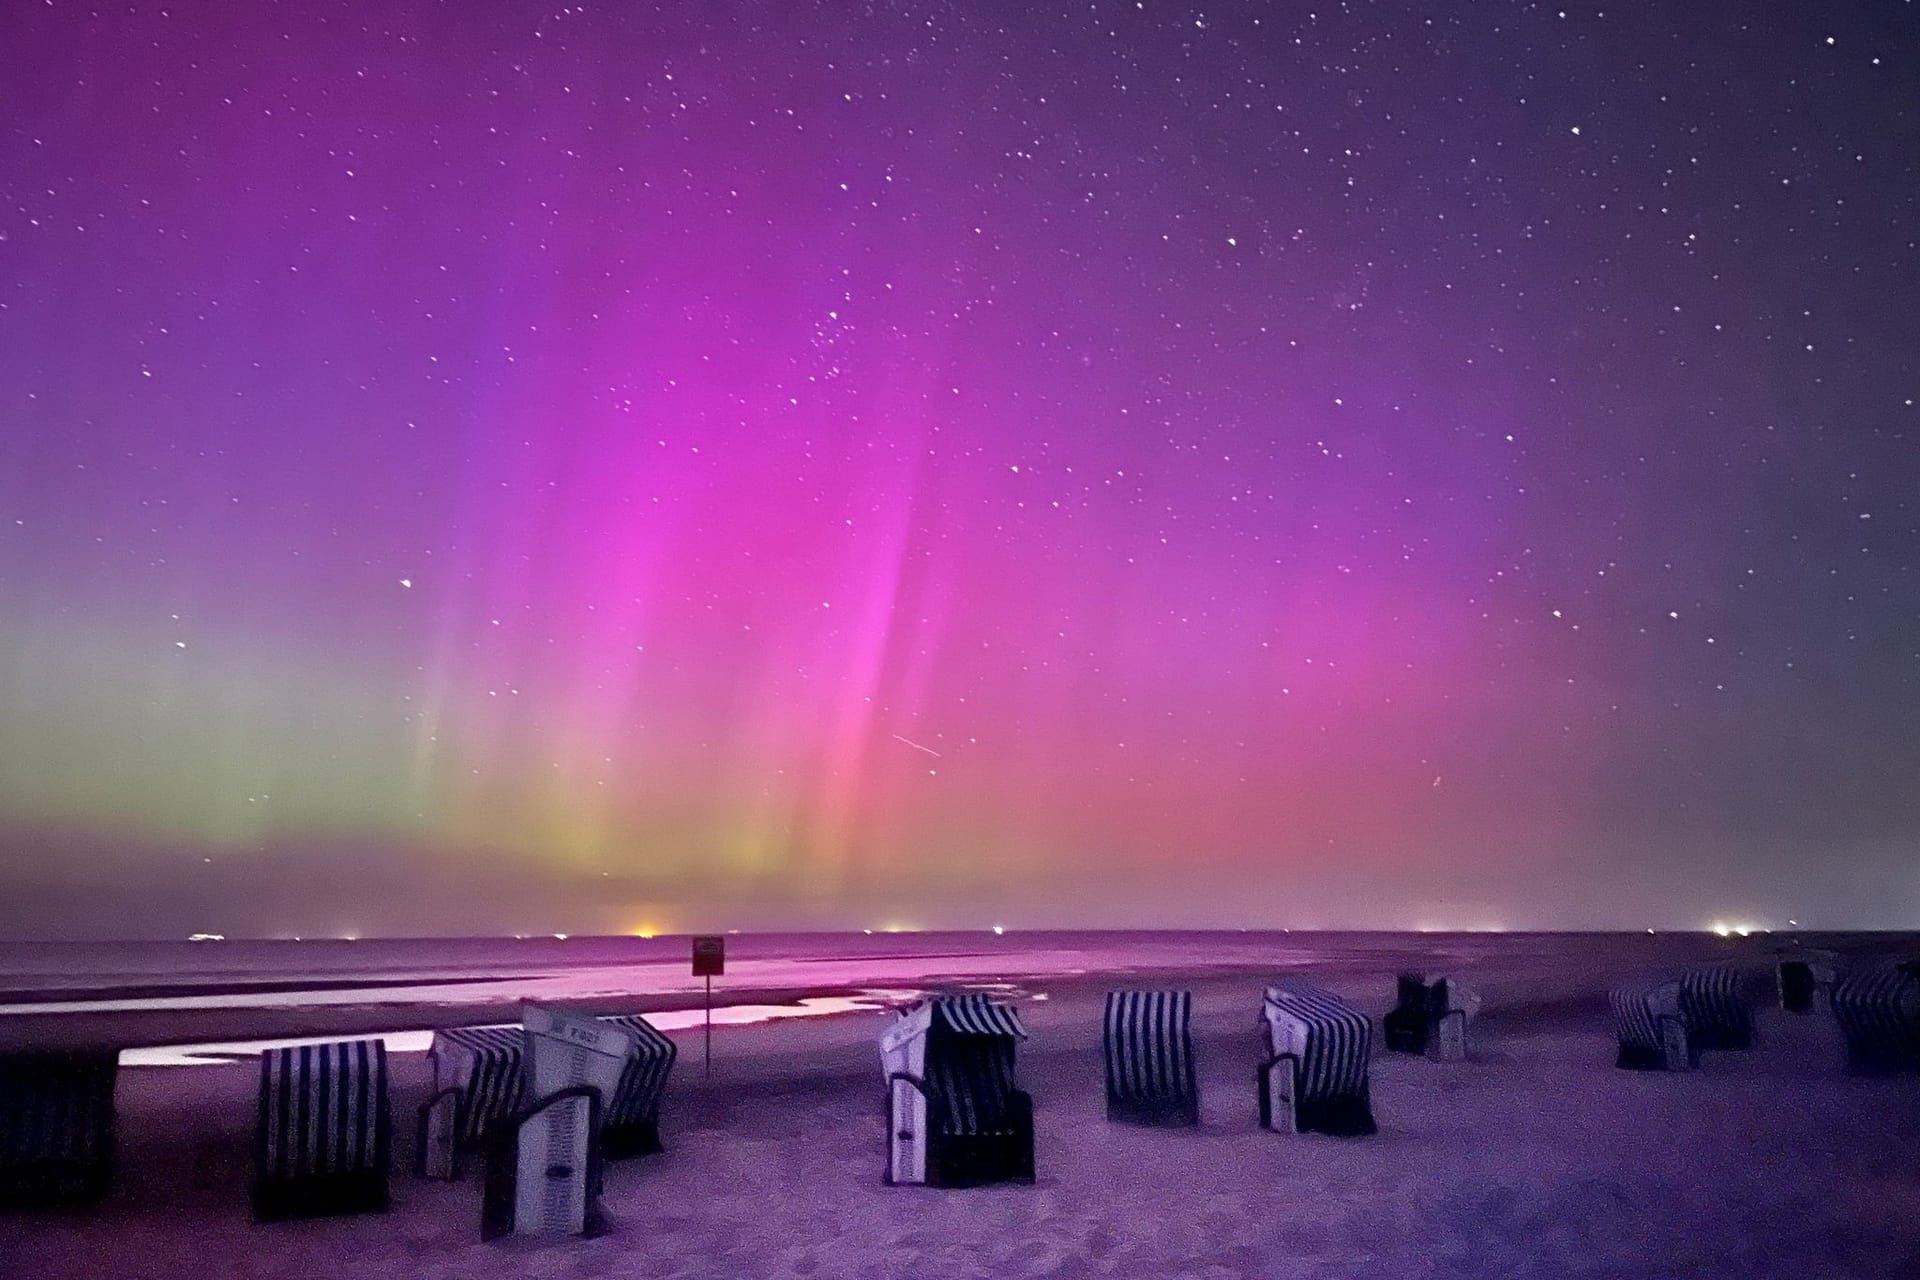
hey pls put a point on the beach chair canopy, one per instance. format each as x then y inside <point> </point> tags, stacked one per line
<point>962,1049</point>
<point>1338,1037</point>
<point>1148,1044</point>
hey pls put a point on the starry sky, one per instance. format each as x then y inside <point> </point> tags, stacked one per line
<point>486,467</point>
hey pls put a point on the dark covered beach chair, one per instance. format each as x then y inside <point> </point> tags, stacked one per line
<point>478,1074</point>
<point>56,1126</point>
<point>322,1144</point>
<point>955,1114</point>
<point>1713,1003</point>
<point>1148,1042</point>
<point>1319,1048</point>
<point>1804,977</point>
<point>1431,1018</point>
<point>1651,1025</point>
<point>1878,1010</point>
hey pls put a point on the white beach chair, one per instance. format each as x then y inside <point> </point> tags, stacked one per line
<point>544,1160</point>
<point>955,1116</point>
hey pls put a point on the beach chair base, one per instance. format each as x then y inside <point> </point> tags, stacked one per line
<point>1172,1113</point>
<point>1448,1043</point>
<point>1283,1110</point>
<point>319,1196</point>
<point>625,1141</point>
<point>50,1184</point>
<point>977,1160</point>
<point>561,1198</point>
<point>1675,1052</point>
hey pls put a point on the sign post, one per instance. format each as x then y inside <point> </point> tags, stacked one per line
<point>709,959</point>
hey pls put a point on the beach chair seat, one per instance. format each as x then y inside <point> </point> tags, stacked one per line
<point>956,1116</point>
<point>1651,1026</point>
<point>56,1126</point>
<point>323,1135</point>
<point>1431,1018</point>
<point>1878,1010</point>
<point>1319,1049</point>
<point>1714,1005</point>
<point>1148,1044</point>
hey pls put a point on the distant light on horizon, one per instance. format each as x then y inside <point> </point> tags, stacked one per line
<point>999,929</point>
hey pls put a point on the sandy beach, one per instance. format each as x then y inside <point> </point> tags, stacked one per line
<point>1535,1158</point>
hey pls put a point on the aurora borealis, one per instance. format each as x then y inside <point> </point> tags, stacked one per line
<point>488,468</point>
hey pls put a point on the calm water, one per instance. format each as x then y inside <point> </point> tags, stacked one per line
<point>54,977</point>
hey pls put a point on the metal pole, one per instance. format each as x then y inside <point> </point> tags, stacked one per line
<point>709,1024</point>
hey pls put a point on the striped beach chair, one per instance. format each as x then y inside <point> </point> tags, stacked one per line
<point>1713,1001</point>
<point>56,1126</point>
<point>631,1124</point>
<point>1651,1026</point>
<point>1314,1079</point>
<point>956,1116</point>
<point>1878,1010</point>
<point>1148,1041</point>
<point>477,1077</point>
<point>322,1141</point>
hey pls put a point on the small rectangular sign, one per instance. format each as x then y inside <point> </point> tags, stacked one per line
<point>709,956</point>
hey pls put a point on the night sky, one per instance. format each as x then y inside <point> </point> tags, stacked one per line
<point>479,467</point>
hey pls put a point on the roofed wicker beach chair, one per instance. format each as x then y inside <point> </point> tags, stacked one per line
<point>1713,1001</point>
<point>1878,1010</point>
<point>1314,1078</point>
<point>1652,1027</point>
<point>955,1116</point>
<point>1804,977</point>
<point>56,1126</point>
<point>1149,1051</point>
<point>630,1125</point>
<point>322,1143</point>
<point>477,1077</point>
<point>476,1081</point>
<point>1431,1018</point>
